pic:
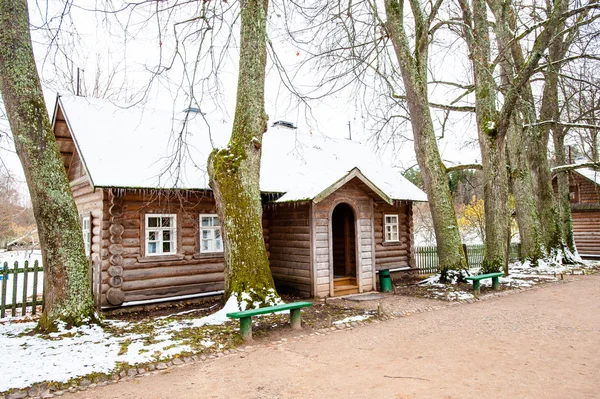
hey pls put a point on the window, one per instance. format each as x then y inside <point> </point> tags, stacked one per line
<point>210,234</point>
<point>574,193</point>
<point>391,228</point>
<point>161,232</point>
<point>86,230</point>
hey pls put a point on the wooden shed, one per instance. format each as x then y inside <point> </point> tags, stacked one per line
<point>584,187</point>
<point>334,214</point>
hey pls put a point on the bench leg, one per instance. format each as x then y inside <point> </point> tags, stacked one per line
<point>246,328</point>
<point>476,286</point>
<point>295,319</point>
<point>496,283</point>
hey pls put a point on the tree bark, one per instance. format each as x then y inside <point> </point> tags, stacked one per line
<point>414,74</point>
<point>491,140</point>
<point>493,126</point>
<point>563,198</point>
<point>235,171</point>
<point>555,212</point>
<point>522,189</point>
<point>520,180</point>
<point>538,159</point>
<point>68,295</point>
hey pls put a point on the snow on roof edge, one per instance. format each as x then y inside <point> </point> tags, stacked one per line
<point>583,172</point>
<point>392,186</point>
<point>73,137</point>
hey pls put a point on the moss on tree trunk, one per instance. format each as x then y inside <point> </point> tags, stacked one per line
<point>413,68</point>
<point>491,143</point>
<point>555,211</point>
<point>235,171</point>
<point>532,248</point>
<point>68,296</point>
<point>563,195</point>
<point>521,183</point>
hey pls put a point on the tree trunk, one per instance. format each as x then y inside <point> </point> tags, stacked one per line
<point>522,189</point>
<point>491,140</point>
<point>554,211</point>
<point>521,183</point>
<point>538,159</point>
<point>563,196</point>
<point>235,171</point>
<point>414,74</point>
<point>68,295</point>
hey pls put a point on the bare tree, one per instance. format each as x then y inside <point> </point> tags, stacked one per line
<point>382,56</point>
<point>494,123</point>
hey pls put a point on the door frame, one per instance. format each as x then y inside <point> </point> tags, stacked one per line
<point>353,206</point>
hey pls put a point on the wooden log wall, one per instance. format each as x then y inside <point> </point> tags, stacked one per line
<point>353,194</point>
<point>586,229</point>
<point>154,277</point>
<point>75,169</point>
<point>91,202</point>
<point>287,234</point>
<point>391,255</point>
<point>589,193</point>
<point>585,212</point>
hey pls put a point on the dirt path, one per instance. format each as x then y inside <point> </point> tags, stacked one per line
<point>543,343</point>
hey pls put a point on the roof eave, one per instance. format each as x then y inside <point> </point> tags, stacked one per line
<point>587,177</point>
<point>355,172</point>
<point>85,167</point>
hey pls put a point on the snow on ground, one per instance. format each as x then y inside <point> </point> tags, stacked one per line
<point>60,357</point>
<point>352,319</point>
<point>29,358</point>
<point>520,275</point>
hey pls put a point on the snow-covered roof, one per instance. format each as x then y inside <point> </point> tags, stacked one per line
<point>136,148</point>
<point>590,174</point>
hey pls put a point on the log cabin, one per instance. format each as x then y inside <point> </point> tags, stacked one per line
<point>584,192</point>
<point>333,213</point>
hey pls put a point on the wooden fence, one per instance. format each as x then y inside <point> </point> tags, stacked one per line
<point>428,262</point>
<point>21,288</point>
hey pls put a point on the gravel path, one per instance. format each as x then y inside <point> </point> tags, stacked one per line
<point>542,343</point>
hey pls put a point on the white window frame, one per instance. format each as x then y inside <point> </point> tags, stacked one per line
<point>86,231</point>
<point>160,230</point>
<point>212,229</point>
<point>388,232</point>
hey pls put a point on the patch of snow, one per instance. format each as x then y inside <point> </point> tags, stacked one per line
<point>351,319</point>
<point>186,312</point>
<point>218,317</point>
<point>140,352</point>
<point>70,353</point>
<point>460,295</point>
<point>27,360</point>
<point>590,174</point>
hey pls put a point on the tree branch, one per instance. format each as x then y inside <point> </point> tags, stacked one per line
<point>445,107</point>
<point>466,166</point>
<point>563,124</point>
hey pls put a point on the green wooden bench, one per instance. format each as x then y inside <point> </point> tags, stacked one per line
<point>476,281</point>
<point>246,316</point>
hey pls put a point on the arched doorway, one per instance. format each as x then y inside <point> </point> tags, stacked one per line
<point>344,250</point>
